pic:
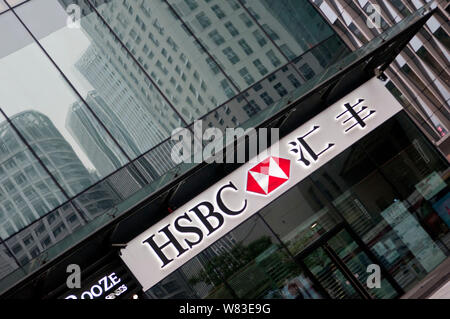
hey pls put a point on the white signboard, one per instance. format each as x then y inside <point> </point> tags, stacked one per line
<point>183,234</point>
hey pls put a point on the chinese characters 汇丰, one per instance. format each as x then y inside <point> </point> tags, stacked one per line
<point>358,116</point>
<point>301,145</point>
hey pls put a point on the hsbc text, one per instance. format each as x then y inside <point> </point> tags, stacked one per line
<point>206,213</point>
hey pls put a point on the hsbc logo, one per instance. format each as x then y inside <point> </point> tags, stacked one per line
<point>268,175</point>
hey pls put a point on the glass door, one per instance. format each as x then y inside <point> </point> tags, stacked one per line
<point>340,265</point>
<point>330,275</point>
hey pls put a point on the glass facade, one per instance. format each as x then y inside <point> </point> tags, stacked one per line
<point>90,92</point>
<point>383,201</point>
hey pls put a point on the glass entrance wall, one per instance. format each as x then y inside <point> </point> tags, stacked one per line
<point>385,187</point>
<point>330,276</point>
<point>356,260</point>
<point>384,202</point>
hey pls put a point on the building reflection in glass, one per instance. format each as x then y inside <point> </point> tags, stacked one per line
<point>28,193</point>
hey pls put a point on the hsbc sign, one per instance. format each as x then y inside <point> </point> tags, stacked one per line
<point>268,175</point>
<point>173,241</point>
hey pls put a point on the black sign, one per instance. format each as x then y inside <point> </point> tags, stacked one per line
<point>110,282</point>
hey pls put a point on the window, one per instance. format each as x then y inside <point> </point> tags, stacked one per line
<point>247,21</point>
<point>246,76</point>
<point>16,249</point>
<point>226,87</point>
<point>294,80</point>
<point>59,229</point>
<point>10,188</point>
<point>10,164</point>
<point>307,72</point>
<point>40,229</point>
<point>18,200</point>
<point>46,242</point>
<point>267,99</point>
<point>231,55</point>
<point>260,38</point>
<point>401,7</point>
<point>240,98</point>
<point>272,77</point>
<point>28,240</point>
<point>21,157</point>
<point>20,179</point>
<point>219,13</point>
<point>35,252</point>
<point>171,287</point>
<point>72,218</point>
<point>230,27</point>
<point>257,87</point>
<point>261,68</point>
<point>244,45</point>
<point>280,89</point>
<point>288,52</point>
<point>51,218</point>
<point>253,13</point>
<point>196,76</point>
<point>193,90</point>
<point>23,260</point>
<point>274,36</point>
<point>442,36</point>
<point>203,19</point>
<point>233,4</point>
<point>31,172</point>
<point>212,65</point>
<point>273,58</point>
<point>172,43</point>
<point>216,37</point>
<point>192,4</point>
<point>251,108</point>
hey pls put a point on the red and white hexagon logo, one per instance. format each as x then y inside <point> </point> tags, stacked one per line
<point>268,175</point>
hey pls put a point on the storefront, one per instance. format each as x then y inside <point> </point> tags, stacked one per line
<point>356,187</point>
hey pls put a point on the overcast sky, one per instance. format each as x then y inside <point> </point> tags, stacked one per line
<point>28,80</point>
